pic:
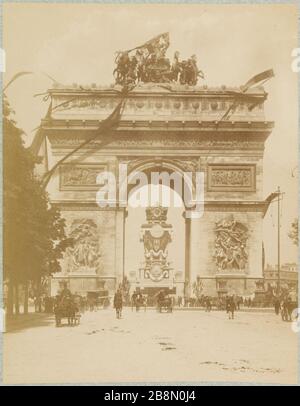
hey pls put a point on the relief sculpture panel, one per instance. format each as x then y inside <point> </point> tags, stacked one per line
<point>231,178</point>
<point>231,245</point>
<point>80,176</point>
<point>83,256</point>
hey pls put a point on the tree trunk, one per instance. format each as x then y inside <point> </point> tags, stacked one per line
<point>17,304</point>
<point>10,299</point>
<point>25,298</point>
<point>39,296</point>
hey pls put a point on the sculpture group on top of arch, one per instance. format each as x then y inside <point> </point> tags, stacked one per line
<point>148,63</point>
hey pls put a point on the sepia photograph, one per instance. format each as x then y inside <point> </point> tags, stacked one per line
<point>149,194</point>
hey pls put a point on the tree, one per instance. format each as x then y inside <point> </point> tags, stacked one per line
<point>125,286</point>
<point>198,287</point>
<point>293,234</point>
<point>34,232</point>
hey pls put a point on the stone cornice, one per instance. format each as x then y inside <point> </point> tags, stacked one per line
<point>235,205</point>
<point>212,205</point>
<point>80,276</point>
<point>151,89</point>
<point>161,125</point>
<point>83,206</point>
<point>186,140</point>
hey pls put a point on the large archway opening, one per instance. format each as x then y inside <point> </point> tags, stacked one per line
<point>154,240</point>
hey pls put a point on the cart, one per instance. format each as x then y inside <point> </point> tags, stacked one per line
<point>165,304</point>
<point>68,310</point>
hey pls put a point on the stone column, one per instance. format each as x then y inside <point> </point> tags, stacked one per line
<point>192,252</point>
<point>187,256</point>
<point>121,215</point>
<point>195,249</point>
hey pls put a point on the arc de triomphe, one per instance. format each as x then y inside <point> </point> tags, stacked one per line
<point>174,128</point>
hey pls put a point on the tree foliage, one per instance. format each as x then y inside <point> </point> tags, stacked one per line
<point>34,231</point>
<point>293,234</point>
<point>197,287</point>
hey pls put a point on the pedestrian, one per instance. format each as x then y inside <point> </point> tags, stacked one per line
<point>277,305</point>
<point>160,300</point>
<point>179,301</point>
<point>91,304</point>
<point>38,304</point>
<point>118,303</point>
<point>286,309</point>
<point>145,301</point>
<point>230,307</point>
<point>139,301</point>
<point>207,304</point>
<point>133,300</point>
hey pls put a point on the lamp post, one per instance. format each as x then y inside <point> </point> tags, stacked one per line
<point>278,239</point>
<point>271,199</point>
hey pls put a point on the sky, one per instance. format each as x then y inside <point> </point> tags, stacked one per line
<point>76,43</point>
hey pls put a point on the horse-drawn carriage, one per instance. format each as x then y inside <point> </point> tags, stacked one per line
<point>66,308</point>
<point>164,303</point>
<point>97,299</point>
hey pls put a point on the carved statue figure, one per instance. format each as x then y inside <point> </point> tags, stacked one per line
<point>176,67</point>
<point>189,72</point>
<point>85,248</point>
<point>121,71</point>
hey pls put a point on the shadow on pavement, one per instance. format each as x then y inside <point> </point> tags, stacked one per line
<point>28,321</point>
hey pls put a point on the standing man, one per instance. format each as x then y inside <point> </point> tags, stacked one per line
<point>139,301</point>
<point>277,305</point>
<point>230,307</point>
<point>133,300</point>
<point>118,303</point>
<point>179,301</point>
<point>207,304</point>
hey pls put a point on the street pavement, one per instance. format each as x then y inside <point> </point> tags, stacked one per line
<point>185,346</point>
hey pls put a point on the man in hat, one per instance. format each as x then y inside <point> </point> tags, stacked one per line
<point>230,307</point>
<point>118,303</point>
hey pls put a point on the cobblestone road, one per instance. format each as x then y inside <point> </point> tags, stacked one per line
<point>186,346</point>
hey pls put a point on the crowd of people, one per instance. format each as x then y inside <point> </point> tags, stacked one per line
<point>46,304</point>
<point>138,301</point>
<point>209,302</point>
<point>283,305</point>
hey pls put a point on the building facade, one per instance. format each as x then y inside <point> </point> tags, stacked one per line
<point>288,276</point>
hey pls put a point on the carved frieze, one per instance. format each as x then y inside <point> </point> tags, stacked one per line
<point>129,141</point>
<point>80,176</point>
<point>231,178</point>
<point>104,104</point>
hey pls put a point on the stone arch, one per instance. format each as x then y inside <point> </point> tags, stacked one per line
<point>161,165</point>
